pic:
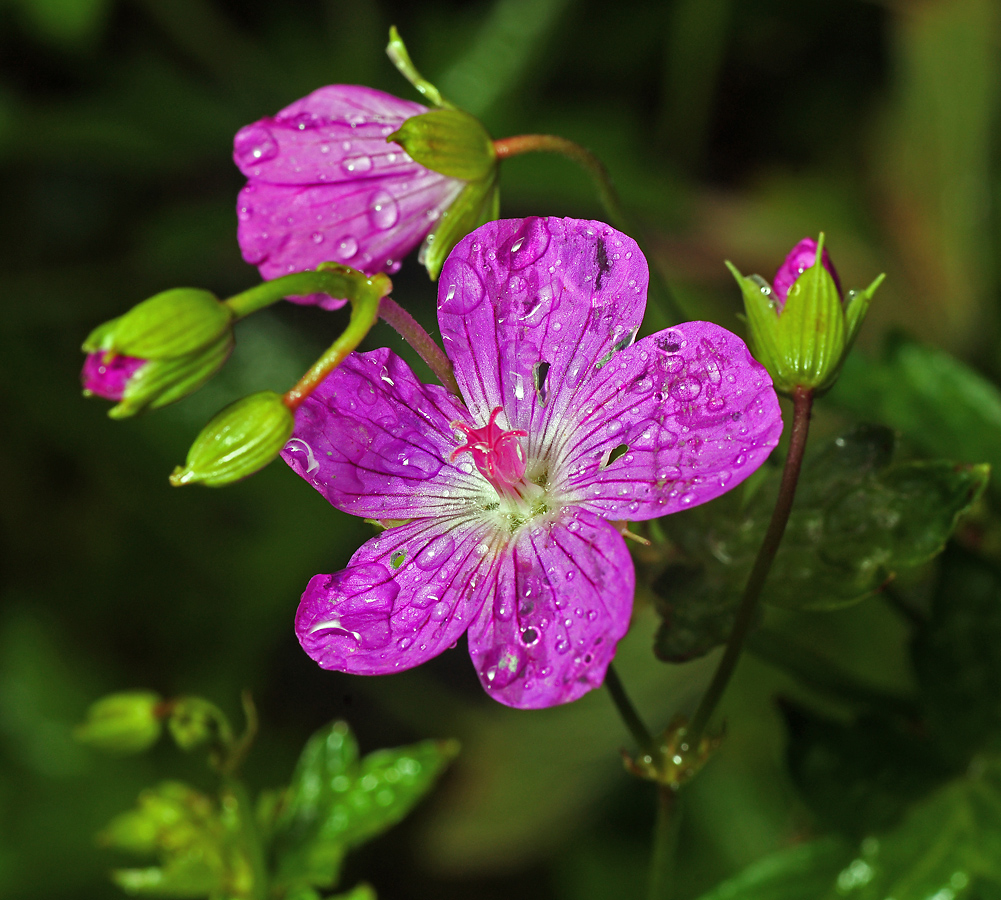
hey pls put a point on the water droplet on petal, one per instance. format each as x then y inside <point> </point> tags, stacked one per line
<point>686,390</point>
<point>383,210</point>
<point>255,144</point>
<point>347,248</point>
<point>357,165</point>
<point>435,552</point>
<point>317,237</point>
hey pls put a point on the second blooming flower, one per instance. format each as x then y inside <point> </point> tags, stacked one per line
<point>506,494</point>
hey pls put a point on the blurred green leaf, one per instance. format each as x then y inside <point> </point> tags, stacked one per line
<point>857,521</point>
<point>337,801</point>
<point>949,845</point>
<point>792,874</point>
<point>859,777</point>
<point>196,842</point>
<point>944,407</point>
<point>957,656</point>
<point>65,22</point>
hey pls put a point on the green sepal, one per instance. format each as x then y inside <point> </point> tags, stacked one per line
<point>856,307</point>
<point>337,801</point>
<point>163,381</point>
<point>126,722</point>
<point>448,141</point>
<point>762,318</point>
<point>398,54</point>
<point>479,202</point>
<point>194,721</point>
<point>238,441</point>
<point>169,324</point>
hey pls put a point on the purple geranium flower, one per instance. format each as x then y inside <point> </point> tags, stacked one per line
<point>505,494</point>
<point>105,375</point>
<point>800,258</point>
<point>325,186</point>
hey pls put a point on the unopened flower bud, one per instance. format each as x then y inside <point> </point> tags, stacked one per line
<point>140,384</point>
<point>239,441</point>
<point>127,722</point>
<point>801,329</point>
<point>170,324</point>
<point>195,721</point>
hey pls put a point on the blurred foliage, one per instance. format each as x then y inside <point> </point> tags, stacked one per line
<point>733,129</point>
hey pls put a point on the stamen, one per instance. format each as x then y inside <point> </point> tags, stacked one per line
<point>497,452</point>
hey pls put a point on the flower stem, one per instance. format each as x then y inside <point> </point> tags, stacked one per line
<point>365,301</point>
<point>665,843</point>
<point>627,712</point>
<point>802,405</point>
<point>411,331</point>
<point>668,309</point>
<point>329,278</point>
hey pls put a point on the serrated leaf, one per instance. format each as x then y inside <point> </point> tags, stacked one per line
<point>858,519</point>
<point>938,403</point>
<point>336,801</point>
<point>957,656</point>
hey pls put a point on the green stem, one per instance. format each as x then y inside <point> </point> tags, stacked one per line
<point>668,309</point>
<point>365,301</point>
<point>250,838</point>
<point>665,843</point>
<point>411,331</point>
<point>331,279</point>
<point>802,405</point>
<point>630,717</point>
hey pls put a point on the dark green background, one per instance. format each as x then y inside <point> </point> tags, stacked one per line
<point>732,127</point>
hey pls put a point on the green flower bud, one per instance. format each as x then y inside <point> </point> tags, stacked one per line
<point>159,382</point>
<point>195,721</point>
<point>127,722</point>
<point>800,328</point>
<point>478,203</point>
<point>240,440</point>
<point>170,324</point>
<point>448,141</point>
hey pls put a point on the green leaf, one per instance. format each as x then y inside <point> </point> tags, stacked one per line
<point>957,656</point>
<point>949,846</point>
<point>859,518</point>
<point>336,801</point>
<point>196,842</point>
<point>859,777</point>
<point>938,403</point>
<point>793,874</point>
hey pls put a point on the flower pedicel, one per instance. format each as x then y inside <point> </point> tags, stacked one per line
<point>507,494</point>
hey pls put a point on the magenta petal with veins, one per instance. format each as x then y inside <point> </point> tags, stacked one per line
<point>564,423</point>
<point>324,185</point>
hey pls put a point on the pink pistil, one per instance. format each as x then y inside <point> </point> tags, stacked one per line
<point>496,452</point>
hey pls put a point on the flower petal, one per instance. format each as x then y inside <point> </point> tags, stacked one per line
<point>106,376</point>
<point>369,224</point>
<point>336,133</point>
<point>376,442</point>
<point>407,595</point>
<point>528,307</point>
<point>563,598</point>
<point>675,420</point>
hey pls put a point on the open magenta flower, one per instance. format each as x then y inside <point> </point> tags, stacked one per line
<point>506,494</point>
<point>324,185</point>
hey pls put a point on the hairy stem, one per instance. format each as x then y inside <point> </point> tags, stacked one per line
<point>802,405</point>
<point>668,311</point>
<point>411,331</point>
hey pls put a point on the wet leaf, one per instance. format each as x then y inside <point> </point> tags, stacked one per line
<point>957,656</point>
<point>949,846</point>
<point>859,518</point>
<point>337,801</point>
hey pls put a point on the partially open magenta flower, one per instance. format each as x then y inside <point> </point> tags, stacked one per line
<point>107,376</point>
<point>324,185</point>
<point>508,494</point>
<point>802,257</point>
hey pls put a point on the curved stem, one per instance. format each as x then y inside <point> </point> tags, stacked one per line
<point>802,405</point>
<point>668,308</point>
<point>665,843</point>
<point>331,279</point>
<point>411,331</point>
<point>627,712</point>
<point>364,313</point>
